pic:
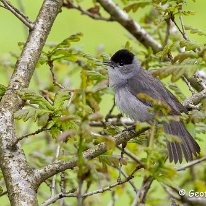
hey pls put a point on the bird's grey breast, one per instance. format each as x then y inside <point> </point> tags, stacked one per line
<point>130,105</point>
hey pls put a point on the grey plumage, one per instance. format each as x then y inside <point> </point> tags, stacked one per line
<point>128,80</point>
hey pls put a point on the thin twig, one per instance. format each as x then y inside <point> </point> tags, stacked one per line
<point>189,85</point>
<point>190,164</point>
<point>62,184</point>
<point>51,65</point>
<point>18,14</point>
<point>101,190</point>
<point>183,27</point>
<point>167,32</point>
<point>28,135</point>
<point>112,122</point>
<point>130,25</point>
<point>130,181</point>
<point>110,111</point>
<point>142,193</point>
<point>58,166</point>
<point>173,20</point>
<point>131,155</point>
<point>69,5</point>
<point>195,99</point>
<point>21,8</point>
<point>56,198</point>
<point>54,177</point>
<point>120,162</point>
<point>113,200</point>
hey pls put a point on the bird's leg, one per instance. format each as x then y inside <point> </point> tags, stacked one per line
<point>120,162</point>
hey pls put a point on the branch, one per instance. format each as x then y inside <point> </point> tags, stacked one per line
<point>190,164</point>
<point>121,122</point>
<point>131,155</point>
<point>175,193</point>
<point>130,25</point>
<point>30,134</point>
<point>59,166</point>
<point>101,190</point>
<point>54,177</point>
<point>142,193</point>
<point>97,16</point>
<point>22,190</point>
<point>195,99</point>
<point>51,65</point>
<point>24,19</point>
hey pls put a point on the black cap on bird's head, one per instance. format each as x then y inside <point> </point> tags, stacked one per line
<point>121,58</point>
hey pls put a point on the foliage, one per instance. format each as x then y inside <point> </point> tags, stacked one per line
<point>69,115</point>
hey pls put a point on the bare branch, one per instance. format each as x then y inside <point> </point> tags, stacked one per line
<point>57,197</point>
<point>129,24</point>
<point>188,84</point>
<point>69,5</point>
<point>182,24</point>
<point>101,190</point>
<point>54,177</point>
<point>51,65</point>
<point>167,32</point>
<point>22,190</point>
<point>28,135</point>
<point>21,8</point>
<point>18,14</point>
<point>142,193</point>
<point>113,185</point>
<point>190,164</point>
<point>195,99</point>
<point>59,166</point>
<point>183,34</point>
<point>121,122</point>
<point>130,181</point>
<point>174,192</point>
<point>131,155</point>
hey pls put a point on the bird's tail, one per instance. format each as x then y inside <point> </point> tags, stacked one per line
<point>185,145</point>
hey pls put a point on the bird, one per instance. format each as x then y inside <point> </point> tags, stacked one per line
<point>128,80</point>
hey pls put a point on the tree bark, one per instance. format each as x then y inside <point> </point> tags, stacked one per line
<point>19,176</point>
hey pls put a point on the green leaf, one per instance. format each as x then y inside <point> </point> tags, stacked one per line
<point>112,160</point>
<point>61,96</point>
<point>189,45</point>
<point>195,31</point>
<point>135,6</point>
<point>186,13</point>
<point>177,91</point>
<point>73,38</point>
<point>2,90</point>
<point>55,132</point>
<point>63,47</point>
<point>166,50</point>
<point>182,56</point>
<point>178,74</point>
<point>94,75</point>
<point>35,98</point>
<point>30,113</point>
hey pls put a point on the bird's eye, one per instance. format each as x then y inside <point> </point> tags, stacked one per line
<point>121,63</point>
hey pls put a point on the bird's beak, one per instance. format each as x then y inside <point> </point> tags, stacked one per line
<point>108,63</point>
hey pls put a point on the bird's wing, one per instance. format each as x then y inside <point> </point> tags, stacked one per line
<point>145,83</point>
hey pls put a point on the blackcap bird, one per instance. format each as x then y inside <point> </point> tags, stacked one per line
<point>128,79</point>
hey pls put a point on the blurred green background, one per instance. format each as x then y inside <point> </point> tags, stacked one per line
<point>97,35</point>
